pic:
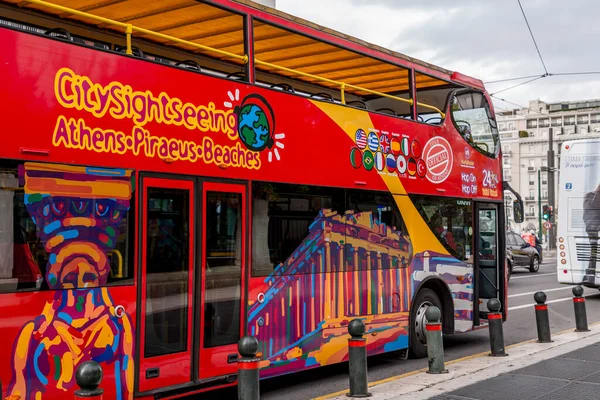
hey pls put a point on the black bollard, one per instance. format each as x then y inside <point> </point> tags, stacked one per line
<point>581,323</point>
<point>435,344</point>
<point>357,360</point>
<point>541,318</point>
<point>88,377</point>
<point>248,369</point>
<point>495,328</point>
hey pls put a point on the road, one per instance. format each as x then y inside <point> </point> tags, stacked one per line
<point>519,327</point>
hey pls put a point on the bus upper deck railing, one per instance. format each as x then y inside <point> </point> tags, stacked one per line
<point>130,29</point>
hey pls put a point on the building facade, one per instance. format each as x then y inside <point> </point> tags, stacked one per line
<point>524,135</point>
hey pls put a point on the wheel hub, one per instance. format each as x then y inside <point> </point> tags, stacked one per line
<point>420,322</point>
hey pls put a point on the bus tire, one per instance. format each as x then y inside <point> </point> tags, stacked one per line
<point>417,339</point>
<point>535,264</point>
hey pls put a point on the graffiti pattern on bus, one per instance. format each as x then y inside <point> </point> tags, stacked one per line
<point>77,211</point>
<point>348,266</point>
<point>459,278</point>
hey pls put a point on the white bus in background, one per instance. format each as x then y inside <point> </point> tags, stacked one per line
<point>578,217</point>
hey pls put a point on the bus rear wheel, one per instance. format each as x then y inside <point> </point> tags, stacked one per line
<point>418,339</point>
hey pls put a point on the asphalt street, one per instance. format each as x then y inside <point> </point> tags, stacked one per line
<point>519,327</point>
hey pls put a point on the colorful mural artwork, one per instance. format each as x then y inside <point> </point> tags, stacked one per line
<point>348,266</point>
<point>459,278</point>
<point>77,211</point>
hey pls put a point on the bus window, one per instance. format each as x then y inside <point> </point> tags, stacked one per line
<point>473,119</point>
<point>50,212</point>
<point>281,217</point>
<point>377,208</point>
<point>450,220</point>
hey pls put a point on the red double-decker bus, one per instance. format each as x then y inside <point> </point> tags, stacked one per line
<point>177,174</point>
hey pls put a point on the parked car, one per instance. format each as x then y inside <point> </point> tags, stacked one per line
<point>523,254</point>
<point>510,262</point>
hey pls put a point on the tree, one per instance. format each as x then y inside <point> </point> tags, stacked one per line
<point>523,134</point>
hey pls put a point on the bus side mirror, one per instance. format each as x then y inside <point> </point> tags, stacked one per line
<point>518,211</point>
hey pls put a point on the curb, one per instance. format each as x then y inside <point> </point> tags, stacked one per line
<point>400,387</point>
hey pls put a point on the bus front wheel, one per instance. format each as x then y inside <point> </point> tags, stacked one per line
<point>418,340</point>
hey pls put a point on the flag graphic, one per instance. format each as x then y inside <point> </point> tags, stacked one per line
<point>361,139</point>
<point>384,142</point>
<point>416,149</point>
<point>379,161</point>
<point>356,158</point>
<point>401,164</point>
<point>405,147</point>
<point>391,162</point>
<point>395,146</point>
<point>412,166</point>
<point>373,141</point>
<point>368,160</point>
<point>421,168</point>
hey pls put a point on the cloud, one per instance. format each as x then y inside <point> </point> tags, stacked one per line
<point>486,39</point>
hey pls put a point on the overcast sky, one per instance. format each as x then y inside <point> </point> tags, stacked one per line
<point>487,39</point>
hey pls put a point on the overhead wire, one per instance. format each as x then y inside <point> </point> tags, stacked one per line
<point>511,79</point>
<point>533,37</point>
<point>520,84</point>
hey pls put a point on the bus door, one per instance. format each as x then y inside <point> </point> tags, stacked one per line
<point>166,284</point>
<point>489,262</point>
<point>222,269</point>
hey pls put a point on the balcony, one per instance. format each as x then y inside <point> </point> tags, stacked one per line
<point>529,198</point>
<point>531,183</point>
<point>530,168</point>
<point>569,123</point>
<point>544,182</point>
<point>530,214</point>
<point>556,123</point>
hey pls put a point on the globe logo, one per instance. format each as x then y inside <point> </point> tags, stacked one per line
<point>255,123</point>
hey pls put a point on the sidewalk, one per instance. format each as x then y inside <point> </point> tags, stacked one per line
<point>567,368</point>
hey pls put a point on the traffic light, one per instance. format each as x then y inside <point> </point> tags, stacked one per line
<point>550,213</point>
<point>546,212</point>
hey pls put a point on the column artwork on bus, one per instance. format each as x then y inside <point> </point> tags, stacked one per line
<point>313,295</point>
<point>77,211</point>
<point>348,266</point>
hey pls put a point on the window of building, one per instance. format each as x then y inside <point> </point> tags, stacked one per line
<point>532,162</point>
<point>501,127</point>
<point>544,134</point>
<point>556,121</point>
<point>450,220</point>
<point>507,148</point>
<point>511,126</point>
<point>506,172</point>
<point>531,148</point>
<point>545,160</point>
<point>41,222</point>
<point>544,147</point>
<point>531,210</point>
<point>531,193</point>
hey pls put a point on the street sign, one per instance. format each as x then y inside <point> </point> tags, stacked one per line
<point>547,225</point>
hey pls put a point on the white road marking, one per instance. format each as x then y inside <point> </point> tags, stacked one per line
<point>531,276</point>
<point>543,290</point>
<point>548,302</point>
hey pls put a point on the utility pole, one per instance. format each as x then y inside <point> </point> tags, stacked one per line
<point>552,230</point>
<point>539,203</point>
